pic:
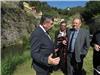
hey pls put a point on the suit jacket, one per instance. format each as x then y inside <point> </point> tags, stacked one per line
<point>96,54</point>
<point>41,48</point>
<point>81,43</point>
<point>96,38</point>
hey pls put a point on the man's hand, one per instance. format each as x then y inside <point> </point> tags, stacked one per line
<point>56,49</point>
<point>53,61</point>
<point>97,47</point>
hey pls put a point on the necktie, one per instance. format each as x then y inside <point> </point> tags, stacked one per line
<point>48,35</point>
<point>70,44</point>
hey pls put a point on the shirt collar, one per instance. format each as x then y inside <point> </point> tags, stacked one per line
<point>75,29</point>
<point>42,28</point>
<point>61,31</point>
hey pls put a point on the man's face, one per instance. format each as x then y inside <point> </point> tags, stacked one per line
<point>76,23</point>
<point>48,25</point>
<point>63,26</point>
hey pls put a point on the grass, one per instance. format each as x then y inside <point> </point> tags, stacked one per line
<point>88,64</point>
<point>25,68</point>
<point>8,65</point>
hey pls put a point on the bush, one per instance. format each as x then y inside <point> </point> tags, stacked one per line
<point>9,64</point>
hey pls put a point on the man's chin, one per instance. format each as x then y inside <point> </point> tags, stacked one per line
<point>74,27</point>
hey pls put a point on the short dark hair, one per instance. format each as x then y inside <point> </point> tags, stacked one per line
<point>46,17</point>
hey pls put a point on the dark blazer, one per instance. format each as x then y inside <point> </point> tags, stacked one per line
<point>41,48</point>
<point>96,54</point>
<point>81,44</point>
<point>96,38</point>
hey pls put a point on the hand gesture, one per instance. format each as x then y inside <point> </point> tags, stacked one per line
<point>97,47</point>
<point>53,61</point>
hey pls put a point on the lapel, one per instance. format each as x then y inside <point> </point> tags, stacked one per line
<point>69,33</point>
<point>47,35</point>
<point>78,37</point>
<point>44,33</point>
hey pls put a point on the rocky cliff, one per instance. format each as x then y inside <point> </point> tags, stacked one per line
<point>15,24</point>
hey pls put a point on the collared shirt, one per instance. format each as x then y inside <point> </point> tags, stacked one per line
<point>61,33</point>
<point>44,31</point>
<point>73,39</point>
<point>42,28</point>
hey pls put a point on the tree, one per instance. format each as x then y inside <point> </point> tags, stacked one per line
<point>91,15</point>
<point>92,8</point>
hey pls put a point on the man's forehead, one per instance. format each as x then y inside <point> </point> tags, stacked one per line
<point>48,20</point>
<point>63,24</point>
<point>78,20</point>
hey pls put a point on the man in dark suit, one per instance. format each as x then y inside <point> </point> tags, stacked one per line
<point>77,47</point>
<point>42,47</point>
<point>95,43</point>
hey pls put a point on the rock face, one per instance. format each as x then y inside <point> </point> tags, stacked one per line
<point>15,24</point>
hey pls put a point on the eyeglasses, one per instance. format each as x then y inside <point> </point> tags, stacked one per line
<point>63,25</point>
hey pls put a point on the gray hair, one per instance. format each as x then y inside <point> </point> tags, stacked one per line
<point>46,18</point>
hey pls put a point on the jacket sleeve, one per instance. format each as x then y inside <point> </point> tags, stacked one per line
<point>55,40</point>
<point>93,41</point>
<point>87,41</point>
<point>35,51</point>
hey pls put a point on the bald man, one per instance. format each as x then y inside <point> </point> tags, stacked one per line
<point>77,47</point>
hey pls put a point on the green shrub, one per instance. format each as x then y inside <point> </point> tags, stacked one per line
<point>9,64</point>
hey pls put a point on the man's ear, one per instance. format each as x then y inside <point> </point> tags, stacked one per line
<point>44,24</point>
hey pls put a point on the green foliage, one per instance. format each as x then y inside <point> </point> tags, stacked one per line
<point>43,6</point>
<point>24,69</point>
<point>51,12</point>
<point>95,25</point>
<point>92,8</point>
<point>53,30</point>
<point>16,22</point>
<point>26,44</point>
<point>88,62</point>
<point>91,15</point>
<point>85,26</point>
<point>9,64</point>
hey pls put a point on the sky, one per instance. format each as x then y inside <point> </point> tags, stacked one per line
<point>65,4</point>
